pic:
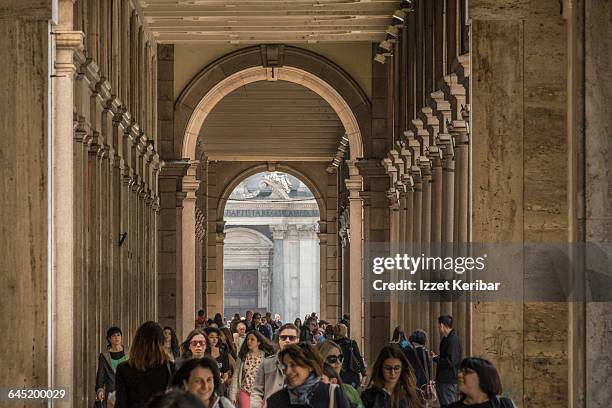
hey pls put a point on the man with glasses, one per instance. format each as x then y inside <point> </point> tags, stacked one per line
<point>270,377</point>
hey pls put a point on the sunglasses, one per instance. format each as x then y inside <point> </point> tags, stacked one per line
<point>197,343</point>
<point>334,359</point>
<point>288,338</point>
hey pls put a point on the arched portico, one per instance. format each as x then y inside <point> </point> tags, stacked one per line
<point>264,64</point>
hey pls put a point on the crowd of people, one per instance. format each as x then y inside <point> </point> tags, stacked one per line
<point>259,362</point>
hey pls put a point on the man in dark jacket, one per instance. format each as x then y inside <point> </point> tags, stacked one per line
<point>447,362</point>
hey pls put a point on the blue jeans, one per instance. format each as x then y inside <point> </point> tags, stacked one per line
<point>447,393</point>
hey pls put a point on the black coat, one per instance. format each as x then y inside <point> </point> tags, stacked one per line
<point>449,359</point>
<point>319,399</point>
<point>376,397</point>
<point>420,363</point>
<point>135,388</point>
<point>350,372</point>
<point>306,336</point>
<point>498,402</point>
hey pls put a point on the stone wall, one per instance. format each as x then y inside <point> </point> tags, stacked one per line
<point>24,194</point>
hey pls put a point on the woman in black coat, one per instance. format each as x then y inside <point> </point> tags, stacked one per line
<point>302,365</point>
<point>107,365</point>
<point>148,372</point>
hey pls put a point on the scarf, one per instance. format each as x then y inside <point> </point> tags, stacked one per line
<point>300,395</point>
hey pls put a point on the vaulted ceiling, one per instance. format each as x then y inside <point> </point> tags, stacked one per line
<point>271,120</point>
<point>267,21</point>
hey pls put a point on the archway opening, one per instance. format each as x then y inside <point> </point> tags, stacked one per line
<point>271,256</point>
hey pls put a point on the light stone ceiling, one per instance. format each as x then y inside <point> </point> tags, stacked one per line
<point>268,21</point>
<point>271,120</point>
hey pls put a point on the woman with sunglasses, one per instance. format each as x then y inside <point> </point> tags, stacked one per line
<point>303,368</point>
<point>392,384</point>
<point>194,346</point>
<point>254,349</point>
<point>479,385</point>
<point>333,357</point>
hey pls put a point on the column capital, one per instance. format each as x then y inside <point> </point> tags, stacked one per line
<point>67,44</point>
<point>393,197</point>
<point>459,131</point>
<point>220,238</point>
<point>220,227</point>
<point>174,168</point>
<point>279,231</point>
<point>190,183</point>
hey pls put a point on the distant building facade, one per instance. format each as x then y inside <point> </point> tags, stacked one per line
<point>271,251</point>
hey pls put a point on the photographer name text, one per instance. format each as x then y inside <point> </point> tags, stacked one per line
<point>421,285</point>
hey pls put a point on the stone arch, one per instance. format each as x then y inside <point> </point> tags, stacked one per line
<point>260,168</point>
<point>250,65</point>
<point>259,63</point>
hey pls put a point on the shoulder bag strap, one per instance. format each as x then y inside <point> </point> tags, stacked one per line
<point>169,375</point>
<point>332,395</point>
<point>418,359</point>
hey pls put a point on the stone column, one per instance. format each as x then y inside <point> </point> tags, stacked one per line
<point>219,278</point>
<point>437,204</point>
<point>62,295</point>
<point>597,194</point>
<point>278,284</point>
<point>170,241</point>
<point>354,185</point>
<point>461,218</point>
<point>115,210</point>
<point>448,206</point>
<point>394,232</point>
<point>376,229</point>
<point>325,285</point>
<point>188,233</point>
<point>291,270</point>
<point>309,264</point>
<point>425,166</point>
<point>417,222</point>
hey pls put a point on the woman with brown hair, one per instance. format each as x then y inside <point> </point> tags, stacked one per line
<point>194,346</point>
<point>217,351</point>
<point>392,384</point>
<point>303,368</point>
<point>147,372</point>
<point>333,357</point>
<point>254,349</point>
<point>479,385</point>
